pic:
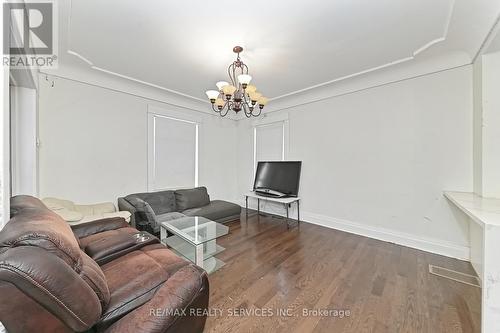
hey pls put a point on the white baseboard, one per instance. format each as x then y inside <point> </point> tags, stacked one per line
<point>436,246</point>
<point>431,245</point>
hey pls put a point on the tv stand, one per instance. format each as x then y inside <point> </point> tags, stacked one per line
<point>270,193</point>
<point>286,201</point>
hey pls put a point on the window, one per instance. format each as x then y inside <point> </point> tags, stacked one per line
<point>172,152</point>
<point>270,142</point>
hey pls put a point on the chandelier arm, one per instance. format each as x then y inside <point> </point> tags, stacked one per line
<point>248,113</point>
<point>244,107</point>
<point>245,99</point>
<point>258,114</point>
<point>234,77</point>
<point>248,104</point>
<point>229,73</point>
<point>215,109</point>
<point>246,68</point>
<point>228,104</point>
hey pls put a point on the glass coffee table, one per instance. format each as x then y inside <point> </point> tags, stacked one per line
<point>194,238</point>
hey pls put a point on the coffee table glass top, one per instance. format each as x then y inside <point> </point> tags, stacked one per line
<point>196,229</point>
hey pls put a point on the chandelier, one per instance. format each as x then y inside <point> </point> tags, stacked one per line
<point>240,94</point>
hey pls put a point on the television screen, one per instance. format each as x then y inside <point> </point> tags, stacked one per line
<point>282,177</point>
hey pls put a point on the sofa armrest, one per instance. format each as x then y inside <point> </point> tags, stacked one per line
<point>124,205</point>
<point>94,227</point>
<point>178,306</point>
<point>144,215</point>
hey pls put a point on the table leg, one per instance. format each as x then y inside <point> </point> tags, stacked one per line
<point>198,256</point>
<point>246,208</point>
<point>258,206</point>
<point>298,212</point>
<point>287,225</point>
<point>163,233</point>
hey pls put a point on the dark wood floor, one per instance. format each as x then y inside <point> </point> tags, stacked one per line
<point>386,287</point>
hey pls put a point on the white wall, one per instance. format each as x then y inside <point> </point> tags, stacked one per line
<point>24,130</point>
<point>94,144</point>
<point>4,146</point>
<point>376,162</point>
<point>487,125</point>
<point>491,125</point>
<point>478,125</point>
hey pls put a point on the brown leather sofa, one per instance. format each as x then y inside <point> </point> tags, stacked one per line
<point>49,281</point>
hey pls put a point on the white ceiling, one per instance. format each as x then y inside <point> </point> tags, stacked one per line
<point>290,45</point>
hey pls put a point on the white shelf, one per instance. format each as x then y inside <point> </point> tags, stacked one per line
<point>485,211</point>
<point>485,245</point>
<point>287,200</point>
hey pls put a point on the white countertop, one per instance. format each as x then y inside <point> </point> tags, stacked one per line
<point>485,211</point>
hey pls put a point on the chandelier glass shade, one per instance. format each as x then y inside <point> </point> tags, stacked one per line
<point>237,95</point>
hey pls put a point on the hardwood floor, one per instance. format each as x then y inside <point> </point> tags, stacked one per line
<point>385,287</point>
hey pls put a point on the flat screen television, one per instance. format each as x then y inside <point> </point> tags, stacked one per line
<point>277,179</point>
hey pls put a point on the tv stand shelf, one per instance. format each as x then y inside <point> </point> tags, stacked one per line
<point>287,202</point>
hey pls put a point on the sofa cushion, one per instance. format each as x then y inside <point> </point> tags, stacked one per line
<point>163,218</point>
<point>111,244</point>
<point>64,208</point>
<point>216,210</point>
<point>191,198</point>
<point>107,245</point>
<point>99,226</point>
<point>161,202</point>
<point>89,218</point>
<point>186,290</point>
<point>169,217</point>
<point>96,209</point>
<point>86,240</point>
<point>134,278</point>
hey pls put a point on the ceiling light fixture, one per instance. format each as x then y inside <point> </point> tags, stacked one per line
<point>240,94</point>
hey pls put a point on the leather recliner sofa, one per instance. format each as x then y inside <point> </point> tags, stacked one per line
<point>49,281</point>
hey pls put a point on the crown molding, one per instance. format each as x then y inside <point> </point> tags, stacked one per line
<point>116,84</point>
<point>79,56</point>
<point>388,76</point>
<point>126,77</point>
<point>490,36</point>
<point>362,84</point>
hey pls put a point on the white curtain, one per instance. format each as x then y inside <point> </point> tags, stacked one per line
<point>174,154</point>
<point>269,142</point>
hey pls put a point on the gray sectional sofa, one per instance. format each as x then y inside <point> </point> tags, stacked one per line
<point>150,209</point>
